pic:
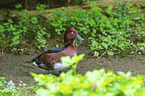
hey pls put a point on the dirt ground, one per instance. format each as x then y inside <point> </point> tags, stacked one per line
<point>13,67</point>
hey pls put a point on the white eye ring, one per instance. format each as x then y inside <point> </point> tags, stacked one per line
<point>72,32</point>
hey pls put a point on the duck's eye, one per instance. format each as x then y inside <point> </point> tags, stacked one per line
<point>72,32</point>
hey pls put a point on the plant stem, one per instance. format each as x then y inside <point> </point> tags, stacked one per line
<point>104,53</point>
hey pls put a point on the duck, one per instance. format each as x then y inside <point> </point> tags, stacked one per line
<point>50,59</point>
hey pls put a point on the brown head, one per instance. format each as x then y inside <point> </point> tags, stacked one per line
<point>70,35</point>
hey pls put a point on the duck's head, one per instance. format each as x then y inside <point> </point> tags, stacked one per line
<point>70,35</point>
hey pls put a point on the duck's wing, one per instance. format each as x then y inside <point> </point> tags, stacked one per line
<point>53,50</point>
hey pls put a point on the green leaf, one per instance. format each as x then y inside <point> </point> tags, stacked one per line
<point>136,18</point>
<point>105,45</point>
<point>18,6</point>
<point>109,10</point>
<point>110,53</point>
<point>121,73</point>
<point>67,59</point>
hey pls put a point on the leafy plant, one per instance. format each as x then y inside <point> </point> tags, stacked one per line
<point>109,34</point>
<point>141,47</point>
<point>97,82</point>
<point>9,88</point>
<point>116,31</point>
<point>106,34</point>
<point>17,34</point>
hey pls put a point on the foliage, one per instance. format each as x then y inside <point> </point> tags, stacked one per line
<point>107,31</point>
<point>97,82</point>
<point>9,88</point>
<point>15,35</point>
<point>141,47</point>
<point>109,34</point>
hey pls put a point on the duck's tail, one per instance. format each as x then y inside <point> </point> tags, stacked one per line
<point>33,60</point>
<point>28,61</point>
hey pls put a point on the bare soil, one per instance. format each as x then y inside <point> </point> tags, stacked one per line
<point>13,67</point>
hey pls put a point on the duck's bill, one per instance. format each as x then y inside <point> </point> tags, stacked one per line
<point>79,37</point>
